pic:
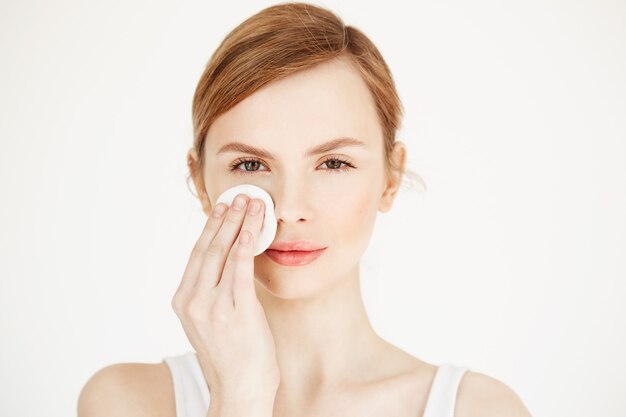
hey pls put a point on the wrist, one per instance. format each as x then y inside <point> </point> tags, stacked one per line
<point>259,407</point>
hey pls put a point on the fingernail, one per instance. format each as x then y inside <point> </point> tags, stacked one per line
<point>219,210</point>
<point>239,202</point>
<point>254,207</point>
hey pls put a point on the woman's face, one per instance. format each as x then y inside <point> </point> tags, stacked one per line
<point>331,197</point>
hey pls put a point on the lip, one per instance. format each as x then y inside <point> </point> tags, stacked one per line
<point>297,245</point>
<point>294,257</point>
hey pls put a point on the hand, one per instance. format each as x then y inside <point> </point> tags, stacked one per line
<point>217,305</point>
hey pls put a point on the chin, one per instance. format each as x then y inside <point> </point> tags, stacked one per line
<point>278,285</point>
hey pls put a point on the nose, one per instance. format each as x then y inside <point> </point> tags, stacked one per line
<point>291,202</point>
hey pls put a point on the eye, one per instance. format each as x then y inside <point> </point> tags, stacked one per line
<point>245,162</point>
<point>336,164</point>
<point>251,165</point>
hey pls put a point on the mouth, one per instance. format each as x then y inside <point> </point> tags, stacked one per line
<point>296,245</point>
<point>294,257</point>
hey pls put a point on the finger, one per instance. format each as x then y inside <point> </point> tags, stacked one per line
<point>196,258</point>
<point>238,275</point>
<point>216,253</point>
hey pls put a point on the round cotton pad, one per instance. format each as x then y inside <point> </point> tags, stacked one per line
<point>268,229</point>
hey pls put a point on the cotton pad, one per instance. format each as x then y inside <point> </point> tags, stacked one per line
<point>268,229</point>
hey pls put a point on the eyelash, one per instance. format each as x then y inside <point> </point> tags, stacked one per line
<point>234,165</point>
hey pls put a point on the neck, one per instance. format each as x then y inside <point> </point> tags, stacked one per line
<point>321,341</point>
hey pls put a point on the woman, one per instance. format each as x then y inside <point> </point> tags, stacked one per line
<point>297,103</point>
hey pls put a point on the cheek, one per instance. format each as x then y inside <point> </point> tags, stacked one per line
<point>353,213</point>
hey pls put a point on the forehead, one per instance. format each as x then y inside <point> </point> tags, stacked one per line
<point>303,109</point>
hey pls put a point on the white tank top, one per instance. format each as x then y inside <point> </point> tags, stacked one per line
<point>192,395</point>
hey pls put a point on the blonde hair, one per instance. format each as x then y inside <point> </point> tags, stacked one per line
<point>281,40</point>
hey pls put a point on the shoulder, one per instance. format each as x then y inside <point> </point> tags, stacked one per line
<point>480,395</point>
<point>129,389</point>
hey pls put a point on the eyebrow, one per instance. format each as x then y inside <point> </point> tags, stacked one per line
<point>316,150</point>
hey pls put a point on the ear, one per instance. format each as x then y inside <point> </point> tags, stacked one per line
<point>198,181</point>
<point>393,184</point>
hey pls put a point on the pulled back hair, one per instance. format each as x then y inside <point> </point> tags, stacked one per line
<point>281,40</point>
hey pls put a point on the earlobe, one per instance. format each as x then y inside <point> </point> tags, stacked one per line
<point>192,160</point>
<point>393,183</point>
<point>192,157</point>
<point>198,181</point>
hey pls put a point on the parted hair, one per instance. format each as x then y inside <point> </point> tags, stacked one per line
<point>281,40</point>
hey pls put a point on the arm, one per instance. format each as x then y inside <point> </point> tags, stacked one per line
<point>217,409</point>
<point>245,402</point>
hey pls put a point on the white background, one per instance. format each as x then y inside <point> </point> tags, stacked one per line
<point>511,263</point>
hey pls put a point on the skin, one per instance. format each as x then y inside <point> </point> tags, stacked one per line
<point>331,360</point>
<point>324,339</point>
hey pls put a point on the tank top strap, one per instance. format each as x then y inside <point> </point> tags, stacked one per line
<point>443,391</point>
<point>191,392</point>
